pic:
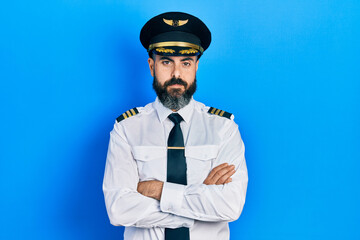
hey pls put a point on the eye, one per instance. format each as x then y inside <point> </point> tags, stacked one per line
<point>187,64</point>
<point>166,62</point>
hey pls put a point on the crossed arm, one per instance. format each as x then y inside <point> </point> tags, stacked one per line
<point>129,202</point>
<point>218,176</point>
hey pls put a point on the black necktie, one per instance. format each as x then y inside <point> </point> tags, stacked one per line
<point>176,170</point>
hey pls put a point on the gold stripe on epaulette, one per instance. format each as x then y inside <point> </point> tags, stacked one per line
<point>219,112</point>
<point>127,114</point>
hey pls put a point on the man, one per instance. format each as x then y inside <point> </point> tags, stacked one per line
<point>175,168</point>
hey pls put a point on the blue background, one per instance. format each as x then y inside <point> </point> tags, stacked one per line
<point>288,70</point>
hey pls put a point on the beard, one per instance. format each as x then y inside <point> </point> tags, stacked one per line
<point>174,99</point>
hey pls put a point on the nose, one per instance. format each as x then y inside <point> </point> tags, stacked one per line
<point>176,71</point>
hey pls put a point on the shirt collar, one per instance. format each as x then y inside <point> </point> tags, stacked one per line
<point>163,112</point>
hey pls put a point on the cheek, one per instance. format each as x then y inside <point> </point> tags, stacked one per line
<point>190,76</point>
<point>162,75</point>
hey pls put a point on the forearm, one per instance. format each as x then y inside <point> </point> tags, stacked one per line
<point>129,208</point>
<point>206,202</point>
<point>212,202</point>
<point>124,204</point>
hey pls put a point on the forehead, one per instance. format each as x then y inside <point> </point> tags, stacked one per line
<point>176,58</point>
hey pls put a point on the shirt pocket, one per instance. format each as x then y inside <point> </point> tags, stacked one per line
<point>199,160</point>
<point>151,162</point>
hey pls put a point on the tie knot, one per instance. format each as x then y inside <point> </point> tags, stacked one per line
<point>175,118</point>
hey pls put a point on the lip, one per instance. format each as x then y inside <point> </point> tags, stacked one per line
<point>176,86</point>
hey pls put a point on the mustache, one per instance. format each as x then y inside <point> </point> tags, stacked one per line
<point>173,81</point>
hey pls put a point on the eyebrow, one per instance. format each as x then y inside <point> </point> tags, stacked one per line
<point>186,59</point>
<point>166,58</point>
<point>182,60</point>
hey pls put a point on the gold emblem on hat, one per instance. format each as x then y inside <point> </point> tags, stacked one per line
<point>175,23</point>
<point>164,50</point>
<point>188,51</point>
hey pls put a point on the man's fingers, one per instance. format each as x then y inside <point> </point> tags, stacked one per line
<point>219,174</point>
<point>214,170</point>
<point>228,180</point>
<point>142,186</point>
<point>225,177</point>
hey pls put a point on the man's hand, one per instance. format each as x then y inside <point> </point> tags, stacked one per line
<point>151,188</point>
<point>220,174</point>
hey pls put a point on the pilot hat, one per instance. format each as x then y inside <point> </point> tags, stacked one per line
<point>175,34</point>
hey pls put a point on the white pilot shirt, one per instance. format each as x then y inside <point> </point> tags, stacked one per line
<point>137,152</point>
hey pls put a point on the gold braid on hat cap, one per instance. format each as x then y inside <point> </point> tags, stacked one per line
<point>188,51</point>
<point>165,50</point>
<point>175,44</point>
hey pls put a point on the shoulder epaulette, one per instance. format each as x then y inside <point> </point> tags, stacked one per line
<point>219,112</point>
<point>127,114</point>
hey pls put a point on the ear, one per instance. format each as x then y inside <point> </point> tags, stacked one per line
<point>197,64</point>
<point>151,66</point>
